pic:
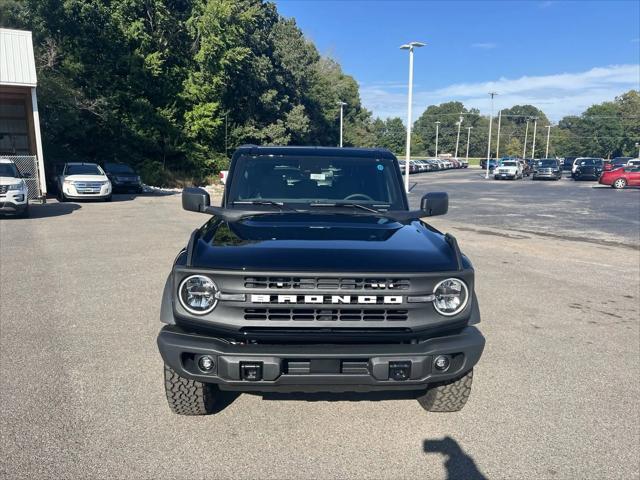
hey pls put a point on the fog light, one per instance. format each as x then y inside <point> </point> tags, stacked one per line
<point>441,363</point>
<point>206,363</point>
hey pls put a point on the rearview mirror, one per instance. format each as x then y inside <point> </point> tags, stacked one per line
<point>195,199</point>
<point>435,203</point>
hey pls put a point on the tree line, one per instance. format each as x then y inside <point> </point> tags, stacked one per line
<point>606,130</point>
<point>173,86</point>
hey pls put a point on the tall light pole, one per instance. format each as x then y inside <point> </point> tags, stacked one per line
<point>493,94</point>
<point>546,153</point>
<point>638,147</point>
<point>533,146</point>
<point>437,132</point>
<point>526,133</point>
<point>342,104</point>
<point>468,138</point>
<point>409,46</point>
<point>458,138</point>
<point>498,139</point>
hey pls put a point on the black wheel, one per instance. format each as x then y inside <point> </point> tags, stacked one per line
<point>25,212</point>
<point>449,396</point>
<point>108,199</point>
<point>188,397</point>
<point>619,183</point>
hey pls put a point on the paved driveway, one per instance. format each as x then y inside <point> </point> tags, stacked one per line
<point>555,395</point>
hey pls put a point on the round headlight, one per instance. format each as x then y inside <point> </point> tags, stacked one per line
<point>451,296</point>
<point>197,294</point>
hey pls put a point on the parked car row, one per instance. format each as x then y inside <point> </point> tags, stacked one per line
<point>83,180</point>
<point>619,172</point>
<point>432,164</point>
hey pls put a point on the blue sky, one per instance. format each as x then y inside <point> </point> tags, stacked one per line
<point>559,56</point>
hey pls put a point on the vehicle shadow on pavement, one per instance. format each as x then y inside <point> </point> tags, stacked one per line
<point>459,465</point>
<point>52,209</point>
<point>224,399</point>
<point>126,197</point>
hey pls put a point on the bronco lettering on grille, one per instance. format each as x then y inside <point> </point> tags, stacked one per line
<point>323,299</point>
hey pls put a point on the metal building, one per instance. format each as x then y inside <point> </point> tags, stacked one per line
<point>20,137</point>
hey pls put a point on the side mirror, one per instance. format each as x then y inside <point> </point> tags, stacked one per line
<point>195,199</point>
<point>435,203</point>
<point>26,175</point>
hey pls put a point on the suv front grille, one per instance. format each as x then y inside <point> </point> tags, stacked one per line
<point>325,314</point>
<point>322,283</point>
<point>88,187</point>
<point>4,189</point>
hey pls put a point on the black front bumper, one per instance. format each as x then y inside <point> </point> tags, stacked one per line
<point>126,186</point>
<point>319,368</point>
<point>10,207</point>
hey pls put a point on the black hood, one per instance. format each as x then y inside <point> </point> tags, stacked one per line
<point>322,242</point>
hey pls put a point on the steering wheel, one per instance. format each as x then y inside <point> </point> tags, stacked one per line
<point>358,196</point>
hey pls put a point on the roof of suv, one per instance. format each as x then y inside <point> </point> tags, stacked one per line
<point>315,151</point>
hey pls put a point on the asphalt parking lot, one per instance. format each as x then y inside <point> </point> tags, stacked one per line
<point>556,394</point>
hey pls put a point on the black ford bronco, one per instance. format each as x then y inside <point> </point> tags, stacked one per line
<point>315,276</point>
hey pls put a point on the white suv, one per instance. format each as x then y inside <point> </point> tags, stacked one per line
<point>80,181</point>
<point>14,194</point>
<point>508,169</point>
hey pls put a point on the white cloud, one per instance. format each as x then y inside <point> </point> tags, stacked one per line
<point>557,95</point>
<point>486,46</point>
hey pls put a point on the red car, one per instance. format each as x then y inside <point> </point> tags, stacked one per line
<point>621,177</point>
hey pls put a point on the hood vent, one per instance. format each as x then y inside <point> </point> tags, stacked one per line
<point>331,284</point>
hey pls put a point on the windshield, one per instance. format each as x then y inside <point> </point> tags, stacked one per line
<point>508,164</point>
<point>589,162</point>
<point>293,179</point>
<point>547,163</point>
<point>118,168</point>
<point>83,169</point>
<point>8,170</point>
<point>621,160</point>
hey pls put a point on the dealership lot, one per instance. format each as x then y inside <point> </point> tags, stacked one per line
<point>555,396</point>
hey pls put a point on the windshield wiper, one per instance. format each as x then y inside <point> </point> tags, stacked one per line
<point>350,205</point>
<point>271,203</point>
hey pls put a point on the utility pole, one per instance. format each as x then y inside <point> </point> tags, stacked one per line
<point>468,138</point>
<point>226,144</point>
<point>458,138</point>
<point>533,147</point>
<point>437,131</point>
<point>546,153</point>
<point>493,94</point>
<point>409,46</point>
<point>342,104</point>
<point>498,139</point>
<point>524,147</point>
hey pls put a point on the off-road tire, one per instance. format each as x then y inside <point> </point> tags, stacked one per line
<point>449,396</point>
<point>188,397</point>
